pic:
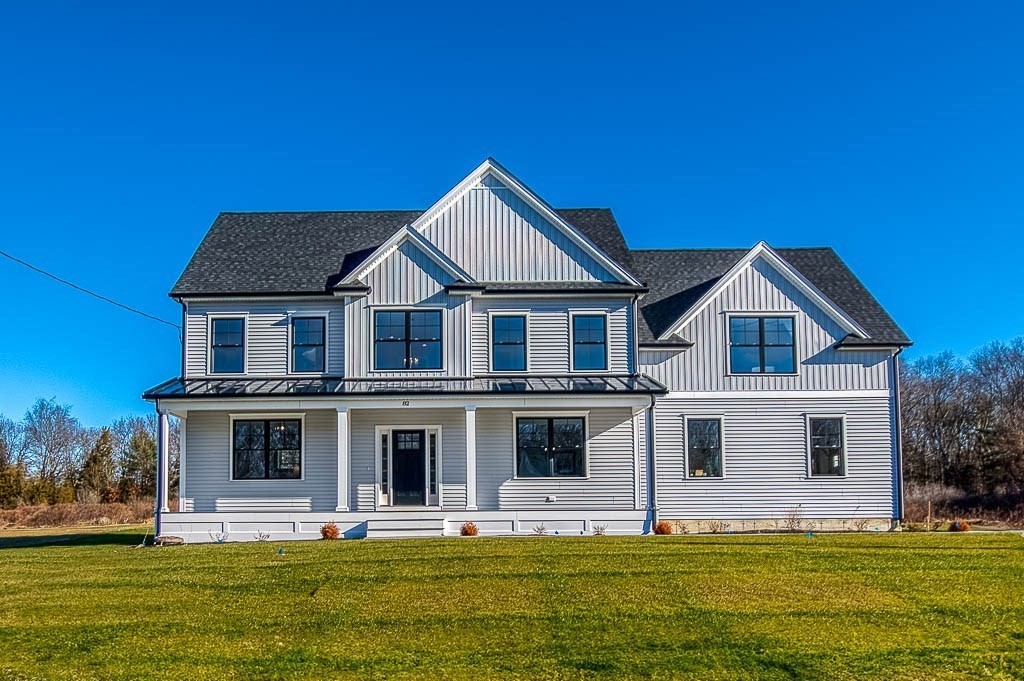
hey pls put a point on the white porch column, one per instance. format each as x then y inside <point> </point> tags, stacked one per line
<point>163,456</point>
<point>637,412</point>
<point>182,436</point>
<point>470,457</point>
<point>344,459</point>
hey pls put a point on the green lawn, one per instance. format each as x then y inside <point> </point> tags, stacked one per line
<point>832,606</point>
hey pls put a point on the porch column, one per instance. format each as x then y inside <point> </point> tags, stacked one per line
<point>470,457</point>
<point>182,423</point>
<point>344,459</point>
<point>163,455</point>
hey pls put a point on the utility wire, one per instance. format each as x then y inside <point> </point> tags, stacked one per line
<point>91,293</point>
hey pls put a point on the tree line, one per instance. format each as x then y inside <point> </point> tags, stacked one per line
<point>963,420</point>
<point>49,457</point>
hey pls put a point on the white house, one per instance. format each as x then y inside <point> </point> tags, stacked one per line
<point>493,359</point>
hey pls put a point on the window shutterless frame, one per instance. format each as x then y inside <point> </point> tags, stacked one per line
<point>496,340</point>
<point>401,320</point>
<point>690,422</point>
<point>810,445</point>
<point>587,341</point>
<point>283,416</point>
<point>759,347</point>
<point>304,340</point>
<point>213,343</point>
<point>546,416</point>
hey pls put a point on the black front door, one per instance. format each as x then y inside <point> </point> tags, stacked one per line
<point>409,464</point>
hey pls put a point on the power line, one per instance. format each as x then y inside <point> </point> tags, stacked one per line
<point>91,293</point>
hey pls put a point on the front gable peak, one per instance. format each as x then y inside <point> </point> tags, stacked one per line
<point>405,235</point>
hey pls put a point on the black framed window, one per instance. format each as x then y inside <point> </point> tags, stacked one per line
<point>267,449</point>
<point>227,345</point>
<point>762,345</point>
<point>308,344</point>
<point>589,342</point>
<point>550,447</point>
<point>407,339</point>
<point>508,343</point>
<point>826,441</point>
<point>704,448</point>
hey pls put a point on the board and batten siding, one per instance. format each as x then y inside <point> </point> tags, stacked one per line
<point>765,459</point>
<point>548,345</point>
<point>760,288</point>
<point>208,484</point>
<point>266,334</point>
<point>609,461</point>
<point>365,451</point>
<point>496,236</point>
<point>407,278</point>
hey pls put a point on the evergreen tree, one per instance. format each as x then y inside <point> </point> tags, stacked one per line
<point>97,474</point>
<point>138,467</point>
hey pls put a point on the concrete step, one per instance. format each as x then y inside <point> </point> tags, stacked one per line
<point>384,528</point>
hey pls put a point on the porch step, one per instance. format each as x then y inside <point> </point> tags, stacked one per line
<point>383,528</point>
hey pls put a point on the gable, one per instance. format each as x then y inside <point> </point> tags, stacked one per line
<point>499,232</point>
<point>407,275</point>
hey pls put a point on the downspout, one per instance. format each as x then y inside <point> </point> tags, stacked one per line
<point>897,437</point>
<point>652,491</point>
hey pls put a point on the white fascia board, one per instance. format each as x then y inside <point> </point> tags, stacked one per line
<point>492,167</point>
<point>763,250</point>
<point>407,233</point>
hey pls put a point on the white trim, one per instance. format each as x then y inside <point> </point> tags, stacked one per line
<point>312,314</point>
<point>795,316</point>
<point>344,458</point>
<point>636,457</point>
<point>210,317</point>
<point>548,414</point>
<point>498,400</point>
<point>762,249</point>
<point>772,394</point>
<point>182,438</point>
<point>686,444</point>
<point>404,234</point>
<point>807,428</point>
<point>491,167</point>
<point>267,416</point>
<point>491,314</point>
<point>584,312</point>
<point>387,501</point>
<point>372,310</point>
<point>471,457</point>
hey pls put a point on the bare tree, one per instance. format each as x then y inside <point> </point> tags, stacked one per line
<point>53,441</point>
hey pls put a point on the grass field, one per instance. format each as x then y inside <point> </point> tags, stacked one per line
<point>832,606</point>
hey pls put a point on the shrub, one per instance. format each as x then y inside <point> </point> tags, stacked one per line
<point>600,530</point>
<point>469,529</point>
<point>330,531</point>
<point>540,530</point>
<point>663,527</point>
<point>959,526</point>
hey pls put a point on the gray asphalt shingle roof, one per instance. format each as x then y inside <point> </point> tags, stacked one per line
<point>308,253</point>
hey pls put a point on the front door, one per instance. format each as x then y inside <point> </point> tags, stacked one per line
<point>409,464</point>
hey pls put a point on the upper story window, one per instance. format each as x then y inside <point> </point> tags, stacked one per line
<point>407,339</point>
<point>227,345</point>
<point>508,343</point>
<point>308,344</point>
<point>762,345</point>
<point>589,342</point>
<point>704,448</point>
<point>550,447</point>
<point>827,447</point>
<point>266,450</point>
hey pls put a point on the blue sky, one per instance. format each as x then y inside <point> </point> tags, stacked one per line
<point>890,131</point>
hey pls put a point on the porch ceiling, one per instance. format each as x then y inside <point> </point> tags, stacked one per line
<point>503,385</point>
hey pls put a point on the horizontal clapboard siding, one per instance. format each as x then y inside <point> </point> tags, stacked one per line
<point>496,236</point>
<point>407,277</point>
<point>266,334</point>
<point>365,451</point>
<point>765,460</point>
<point>760,288</point>
<point>548,342</point>
<point>208,468</point>
<point>610,459</point>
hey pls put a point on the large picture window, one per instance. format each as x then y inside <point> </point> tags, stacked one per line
<point>266,449</point>
<point>407,339</point>
<point>508,343</point>
<point>308,342</point>
<point>550,447</point>
<point>828,455</point>
<point>589,342</point>
<point>227,345</point>
<point>761,345</point>
<point>704,448</point>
